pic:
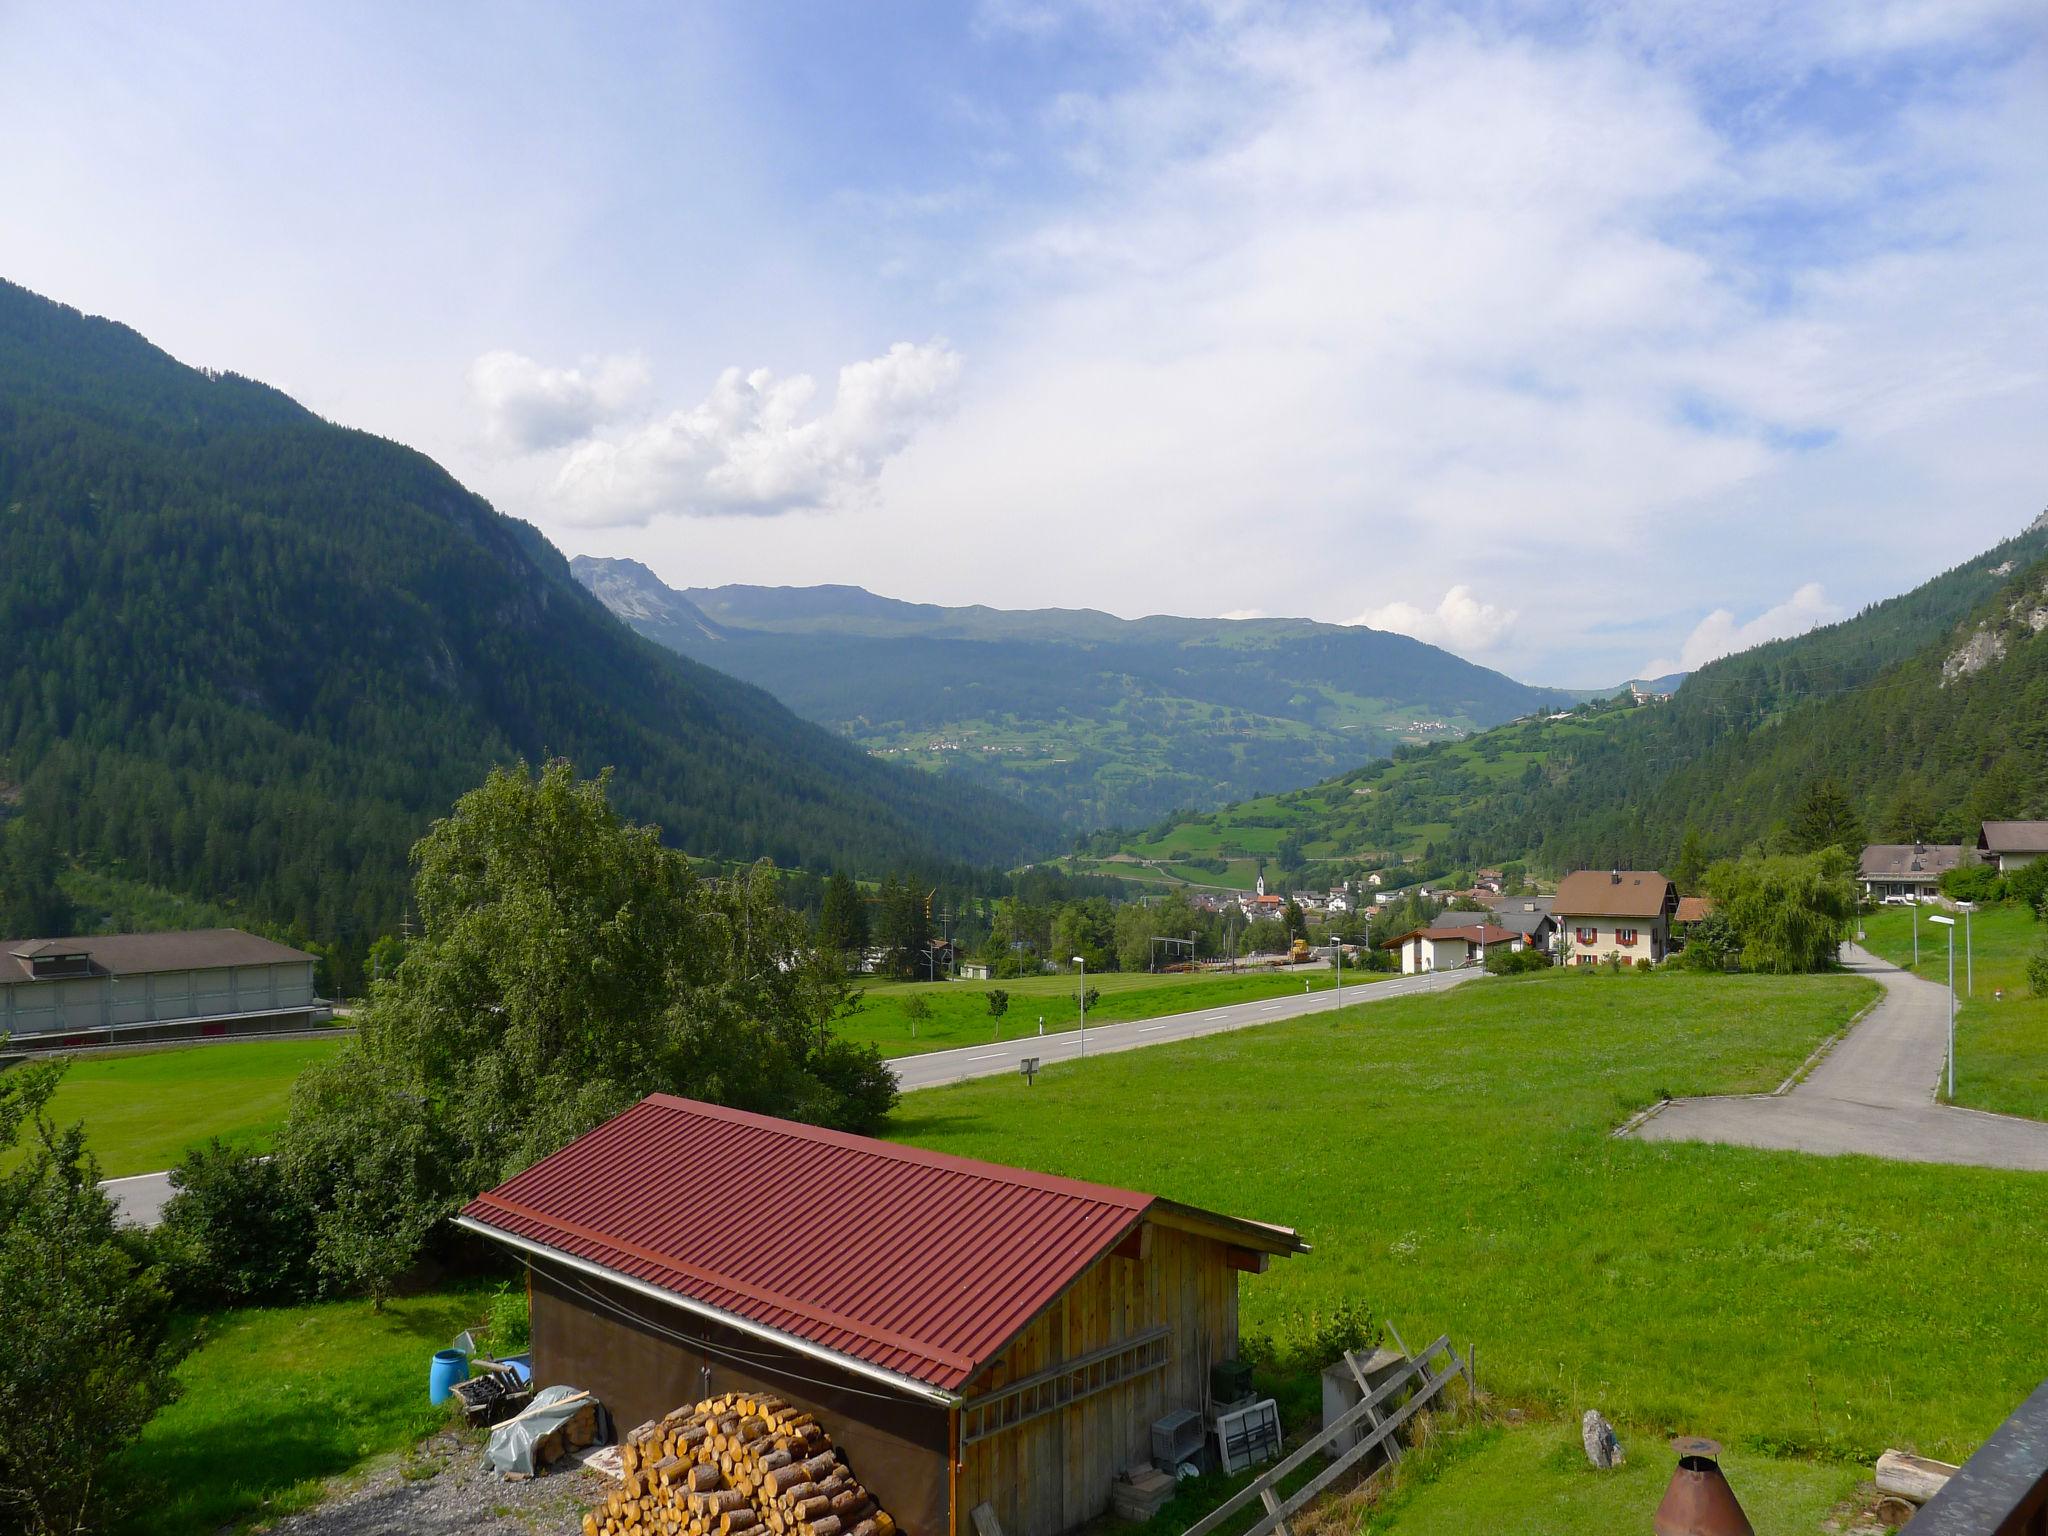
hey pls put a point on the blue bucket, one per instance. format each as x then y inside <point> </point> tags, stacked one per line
<point>450,1366</point>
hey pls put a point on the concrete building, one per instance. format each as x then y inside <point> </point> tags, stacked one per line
<point>2012,845</point>
<point>1622,914</point>
<point>113,988</point>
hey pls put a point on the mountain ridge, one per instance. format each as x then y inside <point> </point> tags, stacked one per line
<point>1150,713</point>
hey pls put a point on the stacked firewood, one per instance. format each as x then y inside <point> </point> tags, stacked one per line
<point>736,1465</point>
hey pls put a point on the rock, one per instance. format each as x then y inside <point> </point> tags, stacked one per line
<point>1602,1449</point>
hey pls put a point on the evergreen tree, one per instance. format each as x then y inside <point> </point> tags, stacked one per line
<point>1825,819</point>
<point>843,922</point>
<point>1692,864</point>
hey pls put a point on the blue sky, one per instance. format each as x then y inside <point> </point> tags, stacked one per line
<point>1582,340</point>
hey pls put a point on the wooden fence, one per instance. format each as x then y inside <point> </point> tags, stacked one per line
<point>1376,1425</point>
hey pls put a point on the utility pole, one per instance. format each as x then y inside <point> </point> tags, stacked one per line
<point>1083,963</point>
<point>1969,953</point>
<point>1950,924</point>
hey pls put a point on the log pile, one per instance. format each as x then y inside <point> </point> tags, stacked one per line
<point>736,1465</point>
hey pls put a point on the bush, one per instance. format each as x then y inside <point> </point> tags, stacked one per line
<point>236,1231</point>
<point>1645,963</point>
<point>1973,882</point>
<point>508,1328</point>
<point>1502,961</point>
<point>87,1343</point>
<point>2037,969</point>
<point>2028,885</point>
<point>998,1002</point>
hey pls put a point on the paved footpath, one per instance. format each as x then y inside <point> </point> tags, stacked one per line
<point>139,1199</point>
<point>1874,1093</point>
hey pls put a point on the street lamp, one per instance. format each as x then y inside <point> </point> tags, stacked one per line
<point>1950,924</point>
<point>1340,969</point>
<point>1969,951</point>
<point>1082,962</point>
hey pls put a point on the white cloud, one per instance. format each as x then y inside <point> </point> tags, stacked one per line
<point>1718,634</point>
<point>529,407</point>
<point>756,446</point>
<point>1243,613</point>
<point>1459,623</point>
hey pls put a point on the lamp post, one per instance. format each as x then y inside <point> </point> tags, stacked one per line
<point>1082,962</point>
<point>1916,932</point>
<point>1340,969</point>
<point>1969,951</point>
<point>1950,924</point>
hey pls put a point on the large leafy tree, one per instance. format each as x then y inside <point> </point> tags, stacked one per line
<point>1789,911</point>
<point>568,964</point>
<point>86,1342</point>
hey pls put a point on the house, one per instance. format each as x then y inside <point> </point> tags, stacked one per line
<point>133,987</point>
<point>1375,879</point>
<point>1615,914</point>
<point>966,1333</point>
<point>1910,870</point>
<point>1529,920</point>
<point>1442,948</point>
<point>2012,845</point>
<point>1690,910</point>
<point>974,970</point>
<point>1338,901</point>
<point>1262,905</point>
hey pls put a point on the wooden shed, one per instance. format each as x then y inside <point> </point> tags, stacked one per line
<point>967,1332</point>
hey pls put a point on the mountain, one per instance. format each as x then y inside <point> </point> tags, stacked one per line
<point>1084,716</point>
<point>1930,710</point>
<point>250,655</point>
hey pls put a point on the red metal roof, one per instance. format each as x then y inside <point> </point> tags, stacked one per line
<point>923,1264</point>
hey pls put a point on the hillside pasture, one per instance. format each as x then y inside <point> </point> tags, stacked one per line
<point>1451,1160</point>
<point>2001,1044</point>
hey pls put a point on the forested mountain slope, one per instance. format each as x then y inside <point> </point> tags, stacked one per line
<point>1086,716</point>
<point>249,655</point>
<point>1930,710</point>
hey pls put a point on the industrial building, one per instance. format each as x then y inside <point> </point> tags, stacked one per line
<point>134,987</point>
<point>968,1333</point>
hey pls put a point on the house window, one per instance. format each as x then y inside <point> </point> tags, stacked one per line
<point>1624,936</point>
<point>1585,960</point>
<point>1586,936</point>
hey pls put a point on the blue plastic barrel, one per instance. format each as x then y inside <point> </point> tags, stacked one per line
<point>450,1366</point>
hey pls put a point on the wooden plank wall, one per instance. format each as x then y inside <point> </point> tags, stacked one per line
<point>1055,1473</point>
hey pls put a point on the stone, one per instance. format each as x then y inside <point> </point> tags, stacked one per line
<point>1602,1448</point>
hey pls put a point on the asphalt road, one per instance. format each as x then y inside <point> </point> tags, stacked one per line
<point>139,1199</point>
<point>1874,1093</point>
<point>999,1058</point>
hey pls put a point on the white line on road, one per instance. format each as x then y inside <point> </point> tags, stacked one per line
<point>1147,1029</point>
<point>991,1056</point>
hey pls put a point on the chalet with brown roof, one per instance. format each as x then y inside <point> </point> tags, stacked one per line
<point>125,988</point>
<point>1912,871</point>
<point>1444,946</point>
<point>2012,845</point>
<point>1615,914</point>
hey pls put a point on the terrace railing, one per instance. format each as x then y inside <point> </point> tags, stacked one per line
<point>2003,1489</point>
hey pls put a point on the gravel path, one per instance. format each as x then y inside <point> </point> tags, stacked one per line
<point>1874,1094</point>
<point>441,1488</point>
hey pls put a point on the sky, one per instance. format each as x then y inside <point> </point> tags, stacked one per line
<point>1589,342</point>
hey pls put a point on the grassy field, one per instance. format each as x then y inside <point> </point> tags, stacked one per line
<point>960,1016</point>
<point>277,1400</point>
<point>1533,1480</point>
<point>142,1110</point>
<point>2001,1045</point>
<point>1450,1160</point>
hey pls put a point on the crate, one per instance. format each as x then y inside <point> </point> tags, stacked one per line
<point>1176,1437</point>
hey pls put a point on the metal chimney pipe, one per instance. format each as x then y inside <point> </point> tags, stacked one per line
<point>1698,1500</point>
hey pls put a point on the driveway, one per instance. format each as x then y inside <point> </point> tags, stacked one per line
<point>1874,1093</point>
<point>139,1199</point>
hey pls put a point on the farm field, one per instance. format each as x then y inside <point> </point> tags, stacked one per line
<point>960,1016</point>
<point>1533,1480</point>
<point>2001,1046</point>
<point>1450,1160</point>
<point>143,1109</point>
<point>340,1384</point>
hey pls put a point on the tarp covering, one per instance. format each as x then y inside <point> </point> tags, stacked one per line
<point>511,1443</point>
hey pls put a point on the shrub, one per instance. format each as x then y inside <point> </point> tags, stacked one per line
<point>236,1231</point>
<point>1973,882</point>
<point>1644,963</point>
<point>87,1342</point>
<point>507,1326</point>
<point>1502,961</point>
<point>2028,885</point>
<point>998,1002</point>
<point>2037,969</point>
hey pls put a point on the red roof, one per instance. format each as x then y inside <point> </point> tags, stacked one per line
<point>923,1264</point>
<point>1481,934</point>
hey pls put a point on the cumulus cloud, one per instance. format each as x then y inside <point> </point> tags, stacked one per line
<point>1459,623</point>
<point>759,445</point>
<point>1243,613</point>
<point>528,406</point>
<point>1719,634</point>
